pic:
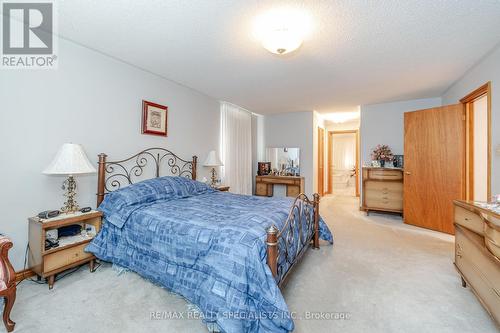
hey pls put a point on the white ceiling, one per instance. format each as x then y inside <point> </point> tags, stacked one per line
<point>359,52</point>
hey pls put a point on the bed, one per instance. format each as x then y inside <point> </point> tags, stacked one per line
<point>228,254</point>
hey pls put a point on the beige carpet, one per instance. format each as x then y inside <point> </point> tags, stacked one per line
<point>380,276</point>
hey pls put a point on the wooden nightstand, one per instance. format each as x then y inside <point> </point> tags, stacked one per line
<point>70,252</point>
<point>222,188</point>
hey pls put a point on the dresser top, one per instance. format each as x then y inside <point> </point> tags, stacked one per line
<point>483,207</point>
<point>281,177</point>
<point>380,168</point>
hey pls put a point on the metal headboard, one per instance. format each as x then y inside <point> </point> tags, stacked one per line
<point>114,175</point>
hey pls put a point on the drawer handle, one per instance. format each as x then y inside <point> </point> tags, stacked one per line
<point>466,219</point>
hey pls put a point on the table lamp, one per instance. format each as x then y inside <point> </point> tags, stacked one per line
<point>70,160</point>
<point>213,161</point>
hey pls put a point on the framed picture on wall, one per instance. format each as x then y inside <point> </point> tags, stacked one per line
<point>154,118</point>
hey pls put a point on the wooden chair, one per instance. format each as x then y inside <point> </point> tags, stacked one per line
<point>7,282</point>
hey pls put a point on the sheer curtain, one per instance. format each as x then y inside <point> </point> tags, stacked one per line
<point>236,148</point>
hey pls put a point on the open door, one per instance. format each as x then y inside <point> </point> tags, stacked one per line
<point>321,161</point>
<point>477,106</point>
<point>434,151</point>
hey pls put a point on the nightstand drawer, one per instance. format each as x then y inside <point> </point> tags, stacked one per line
<point>65,257</point>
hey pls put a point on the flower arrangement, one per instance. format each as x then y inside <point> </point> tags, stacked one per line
<point>382,153</point>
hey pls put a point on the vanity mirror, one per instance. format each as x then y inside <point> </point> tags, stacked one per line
<point>284,161</point>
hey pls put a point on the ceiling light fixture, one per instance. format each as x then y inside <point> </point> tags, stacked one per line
<point>341,117</point>
<point>282,30</point>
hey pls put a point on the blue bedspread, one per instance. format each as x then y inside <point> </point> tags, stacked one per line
<point>205,245</point>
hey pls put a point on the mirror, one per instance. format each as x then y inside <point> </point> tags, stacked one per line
<point>284,161</point>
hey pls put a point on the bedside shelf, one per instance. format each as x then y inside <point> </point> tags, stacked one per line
<point>70,241</point>
<point>71,251</point>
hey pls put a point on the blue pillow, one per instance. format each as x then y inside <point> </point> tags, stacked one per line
<point>120,204</point>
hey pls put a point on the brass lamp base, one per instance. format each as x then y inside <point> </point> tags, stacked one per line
<point>214,178</point>
<point>70,205</point>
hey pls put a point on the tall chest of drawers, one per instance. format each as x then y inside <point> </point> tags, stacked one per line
<point>382,190</point>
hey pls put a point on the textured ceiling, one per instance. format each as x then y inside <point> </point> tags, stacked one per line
<point>359,52</point>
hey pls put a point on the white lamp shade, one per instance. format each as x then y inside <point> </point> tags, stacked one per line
<point>213,159</point>
<point>70,160</point>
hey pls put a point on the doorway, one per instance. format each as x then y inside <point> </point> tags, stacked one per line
<point>343,162</point>
<point>321,161</point>
<point>477,106</point>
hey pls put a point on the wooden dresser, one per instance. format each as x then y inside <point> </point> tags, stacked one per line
<point>382,190</point>
<point>264,185</point>
<point>477,252</point>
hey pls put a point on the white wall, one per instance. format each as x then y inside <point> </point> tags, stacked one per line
<point>486,70</point>
<point>93,100</point>
<point>294,129</point>
<point>384,124</point>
